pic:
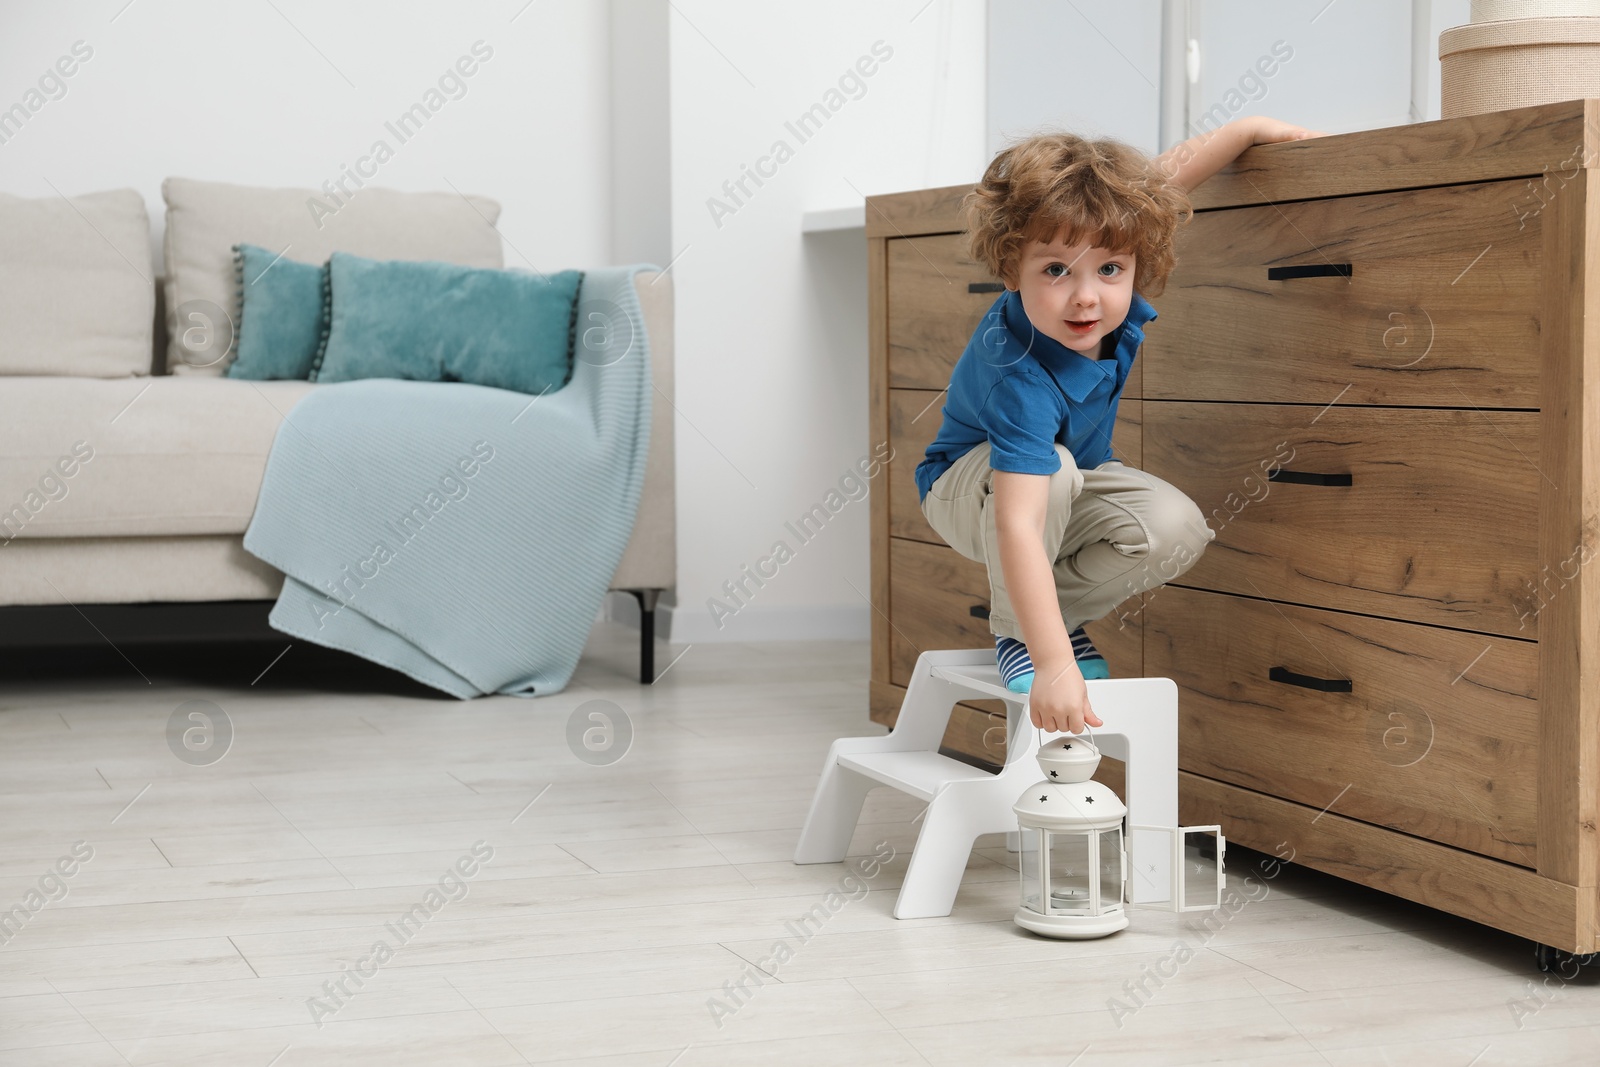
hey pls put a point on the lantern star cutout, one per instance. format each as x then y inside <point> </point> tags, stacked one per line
<point>1088,800</point>
<point>1043,799</point>
<point>1052,774</point>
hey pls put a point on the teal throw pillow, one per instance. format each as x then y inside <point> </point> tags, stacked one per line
<point>280,315</point>
<point>439,322</point>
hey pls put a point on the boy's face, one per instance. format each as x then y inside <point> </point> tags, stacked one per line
<point>1065,287</point>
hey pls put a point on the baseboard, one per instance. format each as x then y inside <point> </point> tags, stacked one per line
<point>678,625</point>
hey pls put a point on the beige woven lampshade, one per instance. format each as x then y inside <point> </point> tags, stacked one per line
<point>1496,65</point>
<point>1493,10</point>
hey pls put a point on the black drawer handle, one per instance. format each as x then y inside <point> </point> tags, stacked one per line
<point>1311,270</point>
<point>985,287</point>
<point>979,611</point>
<point>1306,681</point>
<point>1309,477</point>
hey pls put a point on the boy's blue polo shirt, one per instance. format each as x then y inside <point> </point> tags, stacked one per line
<point>1023,392</point>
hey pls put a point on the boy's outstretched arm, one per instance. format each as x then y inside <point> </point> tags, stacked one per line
<point>1059,699</point>
<point>1193,161</point>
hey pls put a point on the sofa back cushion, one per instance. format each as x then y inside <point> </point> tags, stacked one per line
<point>206,219</point>
<point>77,292</point>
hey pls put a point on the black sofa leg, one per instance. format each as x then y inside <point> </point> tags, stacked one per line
<point>647,633</point>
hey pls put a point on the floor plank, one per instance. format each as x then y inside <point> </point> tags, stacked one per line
<point>630,913</point>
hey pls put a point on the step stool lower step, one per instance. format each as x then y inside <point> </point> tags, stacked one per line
<point>918,774</point>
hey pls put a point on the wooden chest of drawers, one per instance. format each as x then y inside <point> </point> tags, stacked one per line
<point>1377,371</point>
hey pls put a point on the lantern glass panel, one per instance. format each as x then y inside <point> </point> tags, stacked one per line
<point>1028,863</point>
<point>1069,873</point>
<point>1110,868</point>
<point>1201,882</point>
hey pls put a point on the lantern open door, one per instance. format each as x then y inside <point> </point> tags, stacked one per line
<point>1191,859</point>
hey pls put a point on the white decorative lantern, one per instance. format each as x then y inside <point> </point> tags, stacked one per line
<point>1074,860</point>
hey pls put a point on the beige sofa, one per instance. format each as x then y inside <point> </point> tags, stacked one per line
<point>124,500</point>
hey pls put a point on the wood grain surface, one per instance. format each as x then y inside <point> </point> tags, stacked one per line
<point>1438,524</point>
<point>1502,895</point>
<point>1438,735</point>
<point>1440,307</point>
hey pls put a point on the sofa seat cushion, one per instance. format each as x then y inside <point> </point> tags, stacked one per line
<point>86,457</point>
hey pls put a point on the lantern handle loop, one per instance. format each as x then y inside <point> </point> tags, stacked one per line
<point>1039,734</point>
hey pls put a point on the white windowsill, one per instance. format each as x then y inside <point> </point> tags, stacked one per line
<point>831,220</point>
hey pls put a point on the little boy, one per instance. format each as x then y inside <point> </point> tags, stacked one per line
<point>1021,476</point>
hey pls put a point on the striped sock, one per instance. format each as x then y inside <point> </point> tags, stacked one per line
<point>1090,661</point>
<point>1016,668</point>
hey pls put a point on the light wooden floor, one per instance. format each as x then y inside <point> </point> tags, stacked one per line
<point>622,901</point>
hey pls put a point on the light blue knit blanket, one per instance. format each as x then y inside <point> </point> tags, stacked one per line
<point>460,534</point>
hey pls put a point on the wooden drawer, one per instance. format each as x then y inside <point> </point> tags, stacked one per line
<point>1500,895</point>
<point>1440,309</point>
<point>1438,524</point>
<point>914,418</point>
<point>933,591</point>
<point>1436,736</point>
<point>933,310</point>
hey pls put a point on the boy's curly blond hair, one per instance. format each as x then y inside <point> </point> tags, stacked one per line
<point>1102,191</point>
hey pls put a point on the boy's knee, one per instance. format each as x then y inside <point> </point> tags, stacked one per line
<point>1178,532</point>
<point>1182,518</point>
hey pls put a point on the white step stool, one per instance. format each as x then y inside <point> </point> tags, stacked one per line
<point>1141,728</point>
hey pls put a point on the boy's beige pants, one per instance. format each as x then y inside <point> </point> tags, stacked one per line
<point>1110,533</point>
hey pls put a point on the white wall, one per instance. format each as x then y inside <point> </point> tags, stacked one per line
<point>771,339</point>
<point>1092,67</point>
<point>239,92</point>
